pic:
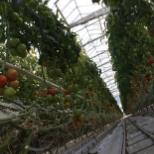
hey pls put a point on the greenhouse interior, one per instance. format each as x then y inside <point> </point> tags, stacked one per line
<point>76,77</point>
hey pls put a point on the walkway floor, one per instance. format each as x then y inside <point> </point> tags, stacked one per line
<point>112,144</point>
<point>146,122</point>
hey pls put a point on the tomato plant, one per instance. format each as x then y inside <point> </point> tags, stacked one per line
<point>130,60</point>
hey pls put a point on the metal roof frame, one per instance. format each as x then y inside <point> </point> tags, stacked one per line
<point>91,41</point>
<point>103,64</point>
<point>84,26</point>
<point>98,54</point>
<point>92,16</point>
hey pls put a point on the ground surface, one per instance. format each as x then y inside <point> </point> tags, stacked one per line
<point>112,144</point>
<point>146,122</point>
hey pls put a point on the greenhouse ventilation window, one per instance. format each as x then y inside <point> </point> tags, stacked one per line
<point>88,21</point>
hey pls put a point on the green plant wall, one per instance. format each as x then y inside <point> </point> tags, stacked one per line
<point>130,34</point>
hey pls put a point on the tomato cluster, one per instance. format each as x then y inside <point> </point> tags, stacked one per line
<point>78,118</point>
<point>17,48</point>
<point>50,96</point>
<point>150,61</point>
<point>9,83</point>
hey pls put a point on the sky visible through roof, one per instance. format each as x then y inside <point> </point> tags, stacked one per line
<point>91,35</point>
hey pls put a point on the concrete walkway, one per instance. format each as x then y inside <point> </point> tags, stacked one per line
<point>146,122</point>
<point>111,144</point>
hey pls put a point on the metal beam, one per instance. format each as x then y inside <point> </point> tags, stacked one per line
<point>110,85</point>
<point>94,46</point>
<point>102,58</point>
<point>116,94</point>
<point>60,12</point>
<point>85,26</point>
<point>70,13</point>
<point>106,70</point>
<point>77,16</point>
<point>103,64</point>
<point>66,5</point>
<point>109,80</point>
<point>115,89</point>
<point>107,67</point>
<point>91,41</point>
<point>112,89</point>
<point>94,15</point>
<point>98,54</point>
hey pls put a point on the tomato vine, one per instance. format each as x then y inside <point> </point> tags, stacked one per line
<point>130,33</point>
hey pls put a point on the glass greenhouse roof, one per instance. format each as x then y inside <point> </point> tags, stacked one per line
<point>88,21</point>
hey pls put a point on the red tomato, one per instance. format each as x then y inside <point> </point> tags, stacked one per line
<point>3,81</point>
<point>150,61</point>
<point>44,92</point>
<point>14,84</point>
<point>36,93</point>
<point>87,94</point>
<point>12,74</point>
<point>45,63</point>
<point>66,92</point>
<point>52,91</point>
<point>77,123</point>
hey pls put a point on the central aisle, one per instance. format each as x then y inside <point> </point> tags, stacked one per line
<point>112,143</point>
